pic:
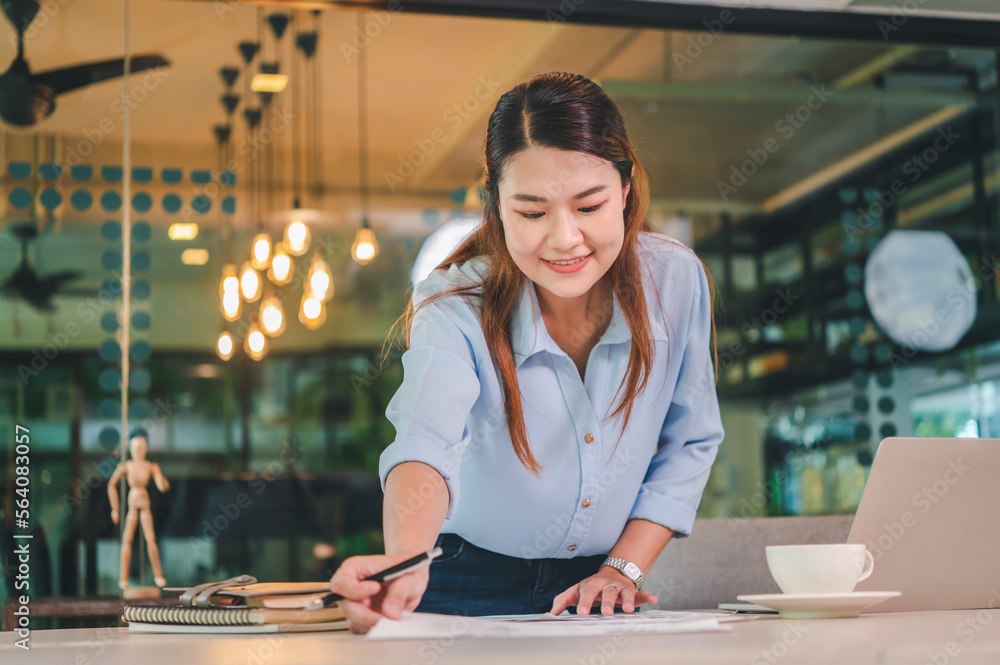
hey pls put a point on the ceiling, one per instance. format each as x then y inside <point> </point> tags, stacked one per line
<point>692,117</point>
<point>697,104</point>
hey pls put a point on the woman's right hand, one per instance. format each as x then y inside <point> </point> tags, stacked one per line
<point>367,602</point>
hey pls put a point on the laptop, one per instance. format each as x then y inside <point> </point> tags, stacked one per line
<point>930,516</point>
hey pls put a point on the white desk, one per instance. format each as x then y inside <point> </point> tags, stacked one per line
<point>911,638</point>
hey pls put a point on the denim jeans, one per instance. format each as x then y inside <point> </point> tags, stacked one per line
<point>471,581</point>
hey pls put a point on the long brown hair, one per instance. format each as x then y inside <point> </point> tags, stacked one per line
<point>566,112</point>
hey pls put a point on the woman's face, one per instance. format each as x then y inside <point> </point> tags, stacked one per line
<point>563,220</point>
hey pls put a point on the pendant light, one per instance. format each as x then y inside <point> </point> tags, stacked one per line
<point>260,255</point>
<point>229,284</point>
<point>250,285</point>
<point>229,292</point>
<point>225,345</point>
<point>261,249</point>
<point>255,344</point>
<point>272,315</point>
<point>365,246</point>
<point>231,302</point>
<point>297,234</point>
<point>312,311</point>
<point>320,280</point>
<point>298,237</point>
<point>280,271</point>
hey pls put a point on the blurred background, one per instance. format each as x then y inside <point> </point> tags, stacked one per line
<point>833,163</point>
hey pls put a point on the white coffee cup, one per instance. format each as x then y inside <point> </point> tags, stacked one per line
<point>817,569</point>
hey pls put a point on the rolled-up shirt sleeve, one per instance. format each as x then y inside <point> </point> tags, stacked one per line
<point>692,429</point>
<point>440,385</point>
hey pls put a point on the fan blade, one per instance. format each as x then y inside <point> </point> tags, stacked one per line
<point>71,78</point>
<point>61,276</point>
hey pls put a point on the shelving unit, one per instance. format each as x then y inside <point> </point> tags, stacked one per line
<point>813,254</point>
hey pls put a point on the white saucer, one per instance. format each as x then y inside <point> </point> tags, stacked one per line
<point>819,605</point>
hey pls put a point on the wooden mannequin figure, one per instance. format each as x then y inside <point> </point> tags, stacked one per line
<point>138,472</point>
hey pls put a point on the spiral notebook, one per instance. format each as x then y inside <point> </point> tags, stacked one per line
<point>231,619</point>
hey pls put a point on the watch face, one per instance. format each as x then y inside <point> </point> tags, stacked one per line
<point>632,570</point>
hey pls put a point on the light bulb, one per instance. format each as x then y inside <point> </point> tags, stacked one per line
<point>365,246</point>
<point>230,279</point>
<point>312,312</point>
<point>272,316</point>
<point>297,237</point>
<point>229,292</point>
<point>280,271</point>
<point>261,251</point>
<point>320,279</point>
<point>249,282</point>
<point>224,345</point>
<point>231,305</point>
<point>256,342</point>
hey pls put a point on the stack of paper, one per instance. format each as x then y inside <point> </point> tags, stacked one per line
<point>423,626</point>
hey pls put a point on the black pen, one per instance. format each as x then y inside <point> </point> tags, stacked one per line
<point>419,561</point>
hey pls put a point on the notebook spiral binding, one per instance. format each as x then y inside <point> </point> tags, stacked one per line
<point>237,616</point>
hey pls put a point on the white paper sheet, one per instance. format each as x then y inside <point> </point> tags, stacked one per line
<point>415,626</point>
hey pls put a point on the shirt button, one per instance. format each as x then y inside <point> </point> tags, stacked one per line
<point>571,548</point>
<point>586,503</point>
<point>589,438</point>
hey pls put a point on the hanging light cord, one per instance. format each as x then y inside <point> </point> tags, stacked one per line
<point>363,127</point>
<point>317,126</point>
<point>295,91</point>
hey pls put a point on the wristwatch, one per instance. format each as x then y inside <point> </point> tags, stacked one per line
<point>626,568</point>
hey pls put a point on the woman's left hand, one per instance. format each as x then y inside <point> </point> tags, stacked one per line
<point>608,588</point>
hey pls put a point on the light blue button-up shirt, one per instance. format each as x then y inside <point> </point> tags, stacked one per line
<point>449,414</point>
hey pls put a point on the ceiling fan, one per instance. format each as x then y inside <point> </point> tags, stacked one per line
<point>26,98</point>
<point>26,284</point>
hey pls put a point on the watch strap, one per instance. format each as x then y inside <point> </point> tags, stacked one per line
<point>623,566</point>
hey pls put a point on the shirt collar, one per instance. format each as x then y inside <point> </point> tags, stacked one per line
<point>529,336</point>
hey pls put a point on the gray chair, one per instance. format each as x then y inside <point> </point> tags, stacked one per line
<point>724,558</point>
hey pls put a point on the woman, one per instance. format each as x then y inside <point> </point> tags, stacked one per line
<point>557,418</point>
